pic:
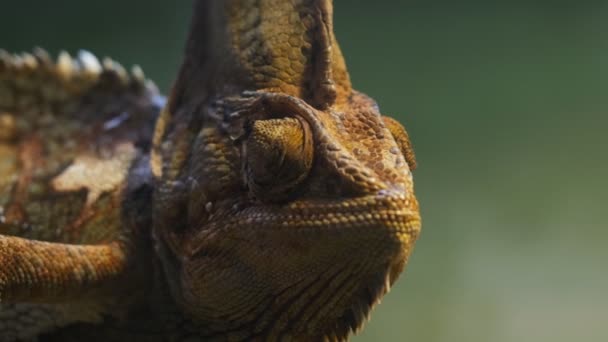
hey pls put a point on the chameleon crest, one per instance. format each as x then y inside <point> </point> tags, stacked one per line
<point>272,202</point>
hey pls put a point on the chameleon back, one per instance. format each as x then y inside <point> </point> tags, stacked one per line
<point>71,133</point>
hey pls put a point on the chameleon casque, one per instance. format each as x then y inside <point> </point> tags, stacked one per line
<point>266,200</point>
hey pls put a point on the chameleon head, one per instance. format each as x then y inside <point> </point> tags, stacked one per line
<point>287,220</point>
<point>285,203</point>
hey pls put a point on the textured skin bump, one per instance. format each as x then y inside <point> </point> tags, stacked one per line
<point>403,141</point>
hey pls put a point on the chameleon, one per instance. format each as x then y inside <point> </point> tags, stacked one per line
<point>264,199</point>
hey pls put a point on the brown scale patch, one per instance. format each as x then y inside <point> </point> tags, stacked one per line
<point>96,175</point>
<point>8,127</point>
<point>29,159</point>
<point>367,136</point>
<point>8,168</point>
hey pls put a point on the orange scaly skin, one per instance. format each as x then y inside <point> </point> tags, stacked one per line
<point>273,202</point>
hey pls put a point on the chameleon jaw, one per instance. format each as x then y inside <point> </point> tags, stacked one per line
<point>301,278</point>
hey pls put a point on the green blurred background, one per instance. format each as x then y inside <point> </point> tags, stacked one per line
<point>506,102</point>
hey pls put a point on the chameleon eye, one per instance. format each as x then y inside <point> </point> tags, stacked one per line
<point>402,139</point>
<point>278,157</point>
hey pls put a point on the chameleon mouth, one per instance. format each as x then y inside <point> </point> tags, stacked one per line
<point>395,214</point>
<point>385,226</point>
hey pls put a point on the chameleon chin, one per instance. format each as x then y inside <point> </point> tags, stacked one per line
<point>266,200</point>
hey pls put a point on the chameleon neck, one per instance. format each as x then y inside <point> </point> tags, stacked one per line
<point>268,45</point>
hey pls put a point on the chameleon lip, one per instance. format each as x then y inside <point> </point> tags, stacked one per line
<point>375,217</point>
<point>394,213</point>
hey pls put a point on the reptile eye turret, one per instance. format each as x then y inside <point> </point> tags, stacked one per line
<point>278,156</point>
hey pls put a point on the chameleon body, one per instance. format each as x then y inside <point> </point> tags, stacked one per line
<point>266,200</point>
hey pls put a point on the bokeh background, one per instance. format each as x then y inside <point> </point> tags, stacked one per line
<point>507,105</point>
